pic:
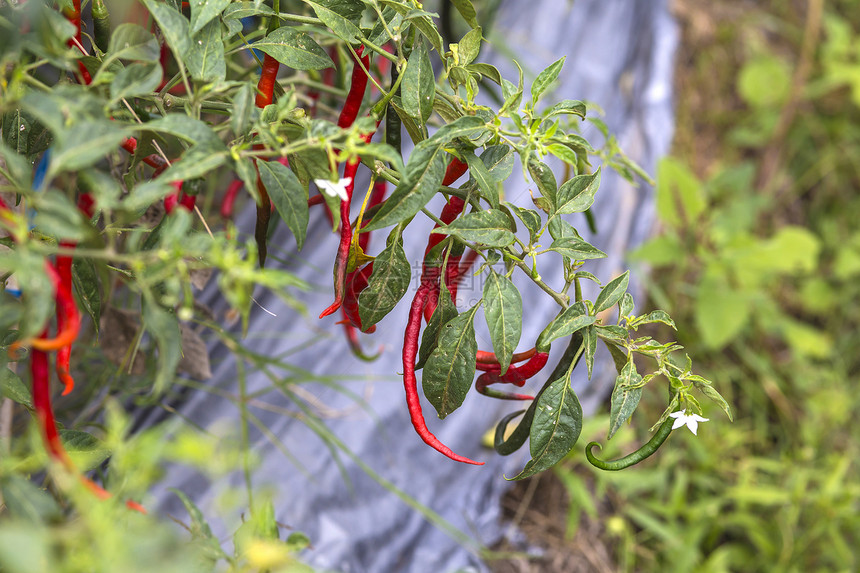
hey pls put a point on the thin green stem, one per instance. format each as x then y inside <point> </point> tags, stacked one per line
<point>562,299</point>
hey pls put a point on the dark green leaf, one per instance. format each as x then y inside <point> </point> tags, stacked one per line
<point>205,60</point>
<point>612,332</point>
<point>294,49</point>
<point>86,450</point>
<point>204,11</point>
<point>556,426</point>
<point>544,179</point>
<point>491,228</point>
<point>289,196</point>
<point>569,321</point>
<point>486,70</point>
<point>341,16</point>
<point>386,286</point>
<point>173,25</point>
<point>577,194</point>
<point>619,356</point>
<point>625,397</point>
<point>612,292</point>
<point>545,79</point>
<point>424,23</point>
<point>418,89</point>
<point>576,249</point>
<point>450,370</point>
<point>503,309</point>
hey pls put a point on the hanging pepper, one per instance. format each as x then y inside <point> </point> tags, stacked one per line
<point>410,383</point>
<point>73,15</point>
<point>350,110</point>
<point>66,305</point>
<point>101,25</point>
<point>645,451</point>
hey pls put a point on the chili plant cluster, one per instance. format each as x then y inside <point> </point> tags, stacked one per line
<point>174,108</point>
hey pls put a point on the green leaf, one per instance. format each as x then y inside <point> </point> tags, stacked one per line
<point>577,194</point>
<point>590,341</point>
<point>469,46</point>
<point>386,285</point>
<point>531,219</point>
<point>487,70</point>
<point>340,16</point>
<point>491,228</point>
<point>499,161</point>
<point>87,287</point>
<point>705,387</point>
<point>659,316</point>
<point>612,292</point>
<point>544,179</point>
<point>12,387</point>
<point>173,25</point>
<point>626,307</point>
<point>205,60</point>
<point>486,184</point>
<point>239,10</point>
<point>204,11</point>
<point>625,397</point>
<point>86,451</point>
<point>569,321</point>
<point>134,80</point>
<point>567,106</point>
<point>423,175</point>
<point>294,49</point>
<point>556,427</point>
<point>445,311</point>
<point>545,79</point>
<point>467,11</point>
<point>503,309</point>
<point>132,42</point>
<point>243,103</point>
<point>418,88</point>
<point>289,196</point>
<point>576,249</point>
<point>450,370</point>
<point>424,23</point>
<point>680,194</point>
<point>164,328</point>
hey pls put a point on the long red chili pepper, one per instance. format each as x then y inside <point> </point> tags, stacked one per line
<point>266,85</point>
<point>41,388</point>
<point>488,362</point>
<point>265,96</point>
<point>410,351</point>
<point>64,354</point>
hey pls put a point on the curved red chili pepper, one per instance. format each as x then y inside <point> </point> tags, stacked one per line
<point>516,375</point>
<point>229,199</point>
<point>64,354</point>
<point>266,85</point>
<point>66,305</point>
<point>410,383</point>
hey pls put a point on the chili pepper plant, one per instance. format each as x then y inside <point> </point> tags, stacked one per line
<point>131,133</point>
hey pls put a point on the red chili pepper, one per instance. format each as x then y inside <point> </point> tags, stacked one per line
<point>410,351</point>
<point>64,354</point>
<point>229,199</point>
<point>266,85</point>
<point>357,88</point>
<point>488,362</point>
<point>516,375</point>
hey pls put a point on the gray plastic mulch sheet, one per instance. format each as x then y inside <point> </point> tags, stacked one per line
<point>619,55</point>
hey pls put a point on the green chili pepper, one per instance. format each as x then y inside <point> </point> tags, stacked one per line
<point>634,458</point>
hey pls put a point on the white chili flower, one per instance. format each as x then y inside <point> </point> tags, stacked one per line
<point>683,419</point>
<point>333,189</point>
